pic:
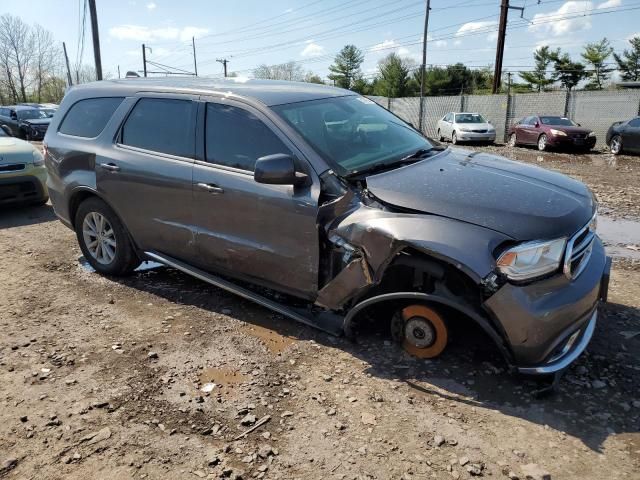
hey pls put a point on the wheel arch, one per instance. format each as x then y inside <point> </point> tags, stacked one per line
<point>477,318</point>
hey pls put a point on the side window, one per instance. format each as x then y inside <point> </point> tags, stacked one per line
<point>635,122</point>
<point>87,118</point>
<point>449,117</point>
<point>237,138</point>
<point>161,125</point>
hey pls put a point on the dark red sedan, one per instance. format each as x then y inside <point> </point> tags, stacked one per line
<point>551,132</point>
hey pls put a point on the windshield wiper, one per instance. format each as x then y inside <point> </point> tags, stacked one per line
<point>406,160</point>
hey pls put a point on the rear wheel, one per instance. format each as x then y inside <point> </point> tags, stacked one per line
<point>421,331</point>
<point>542,142</point>
<point>615,145</point>
<point>513,141</point>
<point>103,239</point>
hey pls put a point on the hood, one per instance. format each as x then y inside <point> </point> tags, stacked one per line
<point>567,129</point>
<point>37,121</point>
<point>519,200</point>
<point>15,150</point>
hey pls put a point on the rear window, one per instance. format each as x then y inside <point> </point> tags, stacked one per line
<point>87,118</point>
<point>162,125</point>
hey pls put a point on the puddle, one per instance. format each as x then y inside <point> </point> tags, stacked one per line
<point>225,379</point>
<point>274,342</point>
<point>144,266</point>
<point>619,235</point>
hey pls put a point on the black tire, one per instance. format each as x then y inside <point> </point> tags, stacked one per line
<point>454,138</point>
<point>615,145</point>
<point>440,137</point>
<point>125,259</point>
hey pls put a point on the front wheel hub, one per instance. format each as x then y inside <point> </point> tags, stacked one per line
<point>423,332</point>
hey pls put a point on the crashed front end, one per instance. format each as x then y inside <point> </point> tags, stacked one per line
<point>540,326</point>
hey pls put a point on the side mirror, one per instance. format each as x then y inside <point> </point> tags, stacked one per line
<point>578,124</point>
<point>537,125</point>
<point>278,169</point>
<point>6,130</point>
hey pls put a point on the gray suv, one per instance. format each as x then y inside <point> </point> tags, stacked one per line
<point>321,205</point>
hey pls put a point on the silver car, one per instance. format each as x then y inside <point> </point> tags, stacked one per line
<point>465,127</point>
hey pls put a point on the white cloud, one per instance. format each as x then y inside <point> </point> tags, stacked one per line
<point>404,52</point>
<point>151,6</point>
<point>385,45</point>
<point>146,34</point>
<point>312,50</point>
<point>288,10</point>
<point>552,23</point>
<point>610,4</point>
<point>471,27</point>
<point>441,43</point>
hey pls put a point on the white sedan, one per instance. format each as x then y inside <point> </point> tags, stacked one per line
<point>465,127</point>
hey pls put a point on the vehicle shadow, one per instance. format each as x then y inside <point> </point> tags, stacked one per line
<point>593,400</point>
<point>22,215</point>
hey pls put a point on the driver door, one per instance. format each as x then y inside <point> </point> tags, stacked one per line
<point>266,234</point>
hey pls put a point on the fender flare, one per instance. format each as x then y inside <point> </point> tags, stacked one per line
<point>347,324</point>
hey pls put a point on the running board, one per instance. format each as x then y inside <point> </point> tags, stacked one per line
<point>325,321</point>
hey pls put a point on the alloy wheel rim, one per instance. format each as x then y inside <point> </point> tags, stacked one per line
<point>615,145</point>
<point>512,140</point>
<point>542,142</point>
<point>99,237</point>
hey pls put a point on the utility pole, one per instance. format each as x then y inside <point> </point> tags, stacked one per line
<point>195,63</point>
<point>66,59</point>
<point>118,71</point>
<point>96,38</point>
<point>423,67</point>
<point>502,33</point>
<point>144,59</point>
<point>224,62</point>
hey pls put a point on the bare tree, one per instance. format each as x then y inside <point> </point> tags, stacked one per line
<point>286,71</point>
<point>47,57</point>
<point>16,53</point>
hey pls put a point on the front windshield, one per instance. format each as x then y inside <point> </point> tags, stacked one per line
<point>48,111</point>
<point>557,121</point>
<point>31,114</point>
<point>469,118</point>
<point>352,133</point>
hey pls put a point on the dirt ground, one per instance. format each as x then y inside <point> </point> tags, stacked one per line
<point>111,378</point>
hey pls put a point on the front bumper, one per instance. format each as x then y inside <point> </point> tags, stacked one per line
<point>548,323</point>
<point>559,141</point>
<point>476,137</point>
<point>26,186</point>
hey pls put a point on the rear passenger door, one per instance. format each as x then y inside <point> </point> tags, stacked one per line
<point>266,234</point>
<point>147,176</point>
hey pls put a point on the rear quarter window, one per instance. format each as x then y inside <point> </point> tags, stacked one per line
<point>87,118</point>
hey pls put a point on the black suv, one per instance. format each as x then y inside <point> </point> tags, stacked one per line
<point>319,204</point>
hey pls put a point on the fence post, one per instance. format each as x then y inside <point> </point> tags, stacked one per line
<point>461,102</point>
<point>389,103</point>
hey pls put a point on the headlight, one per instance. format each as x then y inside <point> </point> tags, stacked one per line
<point>559,133</point>
<point>532,259</point>
<point>592,134</point>
<point>38,159</point>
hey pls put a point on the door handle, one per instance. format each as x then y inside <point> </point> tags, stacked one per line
<point>210,187</point>
<point>112,167</point>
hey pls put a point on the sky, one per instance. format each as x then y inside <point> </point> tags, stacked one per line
<point>253,32</point>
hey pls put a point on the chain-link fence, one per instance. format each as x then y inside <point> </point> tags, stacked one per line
<point>594,110</point>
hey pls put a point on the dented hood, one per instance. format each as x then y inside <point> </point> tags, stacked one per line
<point>522,201</point>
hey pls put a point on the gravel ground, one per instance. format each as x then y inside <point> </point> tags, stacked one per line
<point>106,378</point>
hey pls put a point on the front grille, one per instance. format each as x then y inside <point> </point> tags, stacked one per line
<point>12,167</point>
<point>479,131</point>
<point>579,136</point>
<point>579,250</point>
<point>42,128</point>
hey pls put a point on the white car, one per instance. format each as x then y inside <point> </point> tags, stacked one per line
<point>465,127</point>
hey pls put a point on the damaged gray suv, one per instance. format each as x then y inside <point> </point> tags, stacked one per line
<point>323,206</point>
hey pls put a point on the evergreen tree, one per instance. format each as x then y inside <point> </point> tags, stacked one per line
<point>538,79</point>
<point>596,54</point>
<point>629,61</point>
<point>567,72</point>
<point>346,67</point>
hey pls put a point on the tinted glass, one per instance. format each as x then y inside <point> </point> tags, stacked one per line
<point>635,122</point>
<point>237,138</point>
<point>565,122</point>
<point>161,125</point>
<point>31,114</point>
<point>87,118</point>
<point>469,118</point>
<point>352,132</point>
